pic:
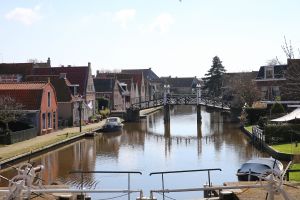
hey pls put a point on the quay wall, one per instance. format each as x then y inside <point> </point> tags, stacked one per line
<point>261,144</point>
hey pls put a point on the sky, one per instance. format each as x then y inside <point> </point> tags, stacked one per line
<point>172,37</point>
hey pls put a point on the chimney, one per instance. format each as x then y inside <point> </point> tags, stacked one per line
<point>48,62</point>
<point>69,65</point>
<point>89,64</point>
<point>97,73</point>
<point>63,75</point>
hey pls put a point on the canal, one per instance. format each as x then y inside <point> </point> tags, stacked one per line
<point>150,146</point>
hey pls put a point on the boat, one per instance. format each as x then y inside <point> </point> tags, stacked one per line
<point>253,169</point>
<point>112,124</point>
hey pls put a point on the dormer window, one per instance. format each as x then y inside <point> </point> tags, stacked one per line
<point>269,72</point>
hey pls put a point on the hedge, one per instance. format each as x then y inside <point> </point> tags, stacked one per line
<point>283,133</point>
<point>253,114</point>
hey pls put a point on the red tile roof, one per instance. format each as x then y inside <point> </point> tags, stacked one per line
<point>16,68</point>
<point>61,86</point>
<point>27,94</point>
<point>76,75</point>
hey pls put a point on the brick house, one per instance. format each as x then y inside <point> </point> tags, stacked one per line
<point>112,90</point>
<point>269,80</point>
<point>80,78</point>
<point>151,81</point>
<point>16,72</point>
<point>185,85</point>
<point>38,100</point>
<point>68,101</point>
<point>135,84</point>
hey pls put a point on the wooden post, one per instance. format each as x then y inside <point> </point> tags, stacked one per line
<point>166,114</point>
<point>199,118</point>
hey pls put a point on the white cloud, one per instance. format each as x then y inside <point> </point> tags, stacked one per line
<point>124,16</point>
<point>26,16</point>
<point>161,23</point>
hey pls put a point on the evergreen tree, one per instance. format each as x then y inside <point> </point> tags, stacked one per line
<point>213,79</point>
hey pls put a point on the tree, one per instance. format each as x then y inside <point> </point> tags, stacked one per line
<point>213,79</point>
<point>291,88</point>
<point>10,110</point>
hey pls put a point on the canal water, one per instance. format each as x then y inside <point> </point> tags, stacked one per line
<point>151,146</point>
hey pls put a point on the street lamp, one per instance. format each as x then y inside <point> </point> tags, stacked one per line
<point>166,92</point>
<point>198,87</point>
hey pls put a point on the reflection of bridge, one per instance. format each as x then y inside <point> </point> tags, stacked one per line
<point>180,100</point>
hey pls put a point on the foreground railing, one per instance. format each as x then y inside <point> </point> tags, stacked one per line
<point>128,191</point>
<point>176,172</point>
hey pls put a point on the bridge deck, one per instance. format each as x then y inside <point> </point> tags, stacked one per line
<point>180,100</point>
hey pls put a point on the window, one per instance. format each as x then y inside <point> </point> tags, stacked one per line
<point>269,72</point>
<point>54,120</point>
<point>49,99</point>
<point>49,120</point>
<point>44,120</point>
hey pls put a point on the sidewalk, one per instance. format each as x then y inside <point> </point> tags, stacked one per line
<point>13,151</point>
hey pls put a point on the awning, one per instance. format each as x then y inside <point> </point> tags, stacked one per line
<point>295,114</point>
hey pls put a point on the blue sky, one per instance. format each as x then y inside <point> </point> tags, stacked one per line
<point>172,37</point>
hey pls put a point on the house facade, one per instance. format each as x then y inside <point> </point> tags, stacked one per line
<point>112,90</point>
<point>38,100</point>
<point>81,82</point>
<point>269,81</point>
<point>186,85</point>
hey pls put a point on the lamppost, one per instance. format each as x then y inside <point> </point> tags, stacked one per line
<point>166,92</point>
<point>199,118</point>
<point>198,88</point>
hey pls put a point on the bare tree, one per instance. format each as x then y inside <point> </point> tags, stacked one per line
<point>10,110</point>
<point>291,88</point>
<point>288,49</point>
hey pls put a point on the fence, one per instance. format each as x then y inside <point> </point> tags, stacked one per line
<point>18,136</point>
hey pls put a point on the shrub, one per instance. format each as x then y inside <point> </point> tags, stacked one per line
<point>282,133</point>
<point>105,113</point>
<point>277,108</point>
<point>253,114</point>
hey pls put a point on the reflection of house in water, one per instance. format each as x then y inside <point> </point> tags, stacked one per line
<point>78,156</point>
<point>108,146</point>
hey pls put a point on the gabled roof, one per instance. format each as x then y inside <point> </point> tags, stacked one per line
<point>137,77</point>
<point>278,71</point>
<point>104,84</point>
<point>16,68</point>
<point>26,93</point>
<point>180,82</point>
<point>60,85</point>
<point>76,75</point>
<point>149,75</point>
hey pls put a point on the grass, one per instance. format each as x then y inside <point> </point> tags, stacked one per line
<point>295,176</point>
<point>287,148</point>
<point>249,128</point>
<point>37,145</point>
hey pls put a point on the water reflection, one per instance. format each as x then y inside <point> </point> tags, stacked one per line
<point>152,146</point>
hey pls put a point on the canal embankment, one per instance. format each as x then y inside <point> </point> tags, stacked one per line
<point>264,146</point>
<point>144,113</point>
<point>10,154</point>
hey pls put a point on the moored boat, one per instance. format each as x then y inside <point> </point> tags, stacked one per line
<point>255,168</point>
<point>112,124</point>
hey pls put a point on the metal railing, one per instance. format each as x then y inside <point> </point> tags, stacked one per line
<point>182,171</point>
<point>128,191</point>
